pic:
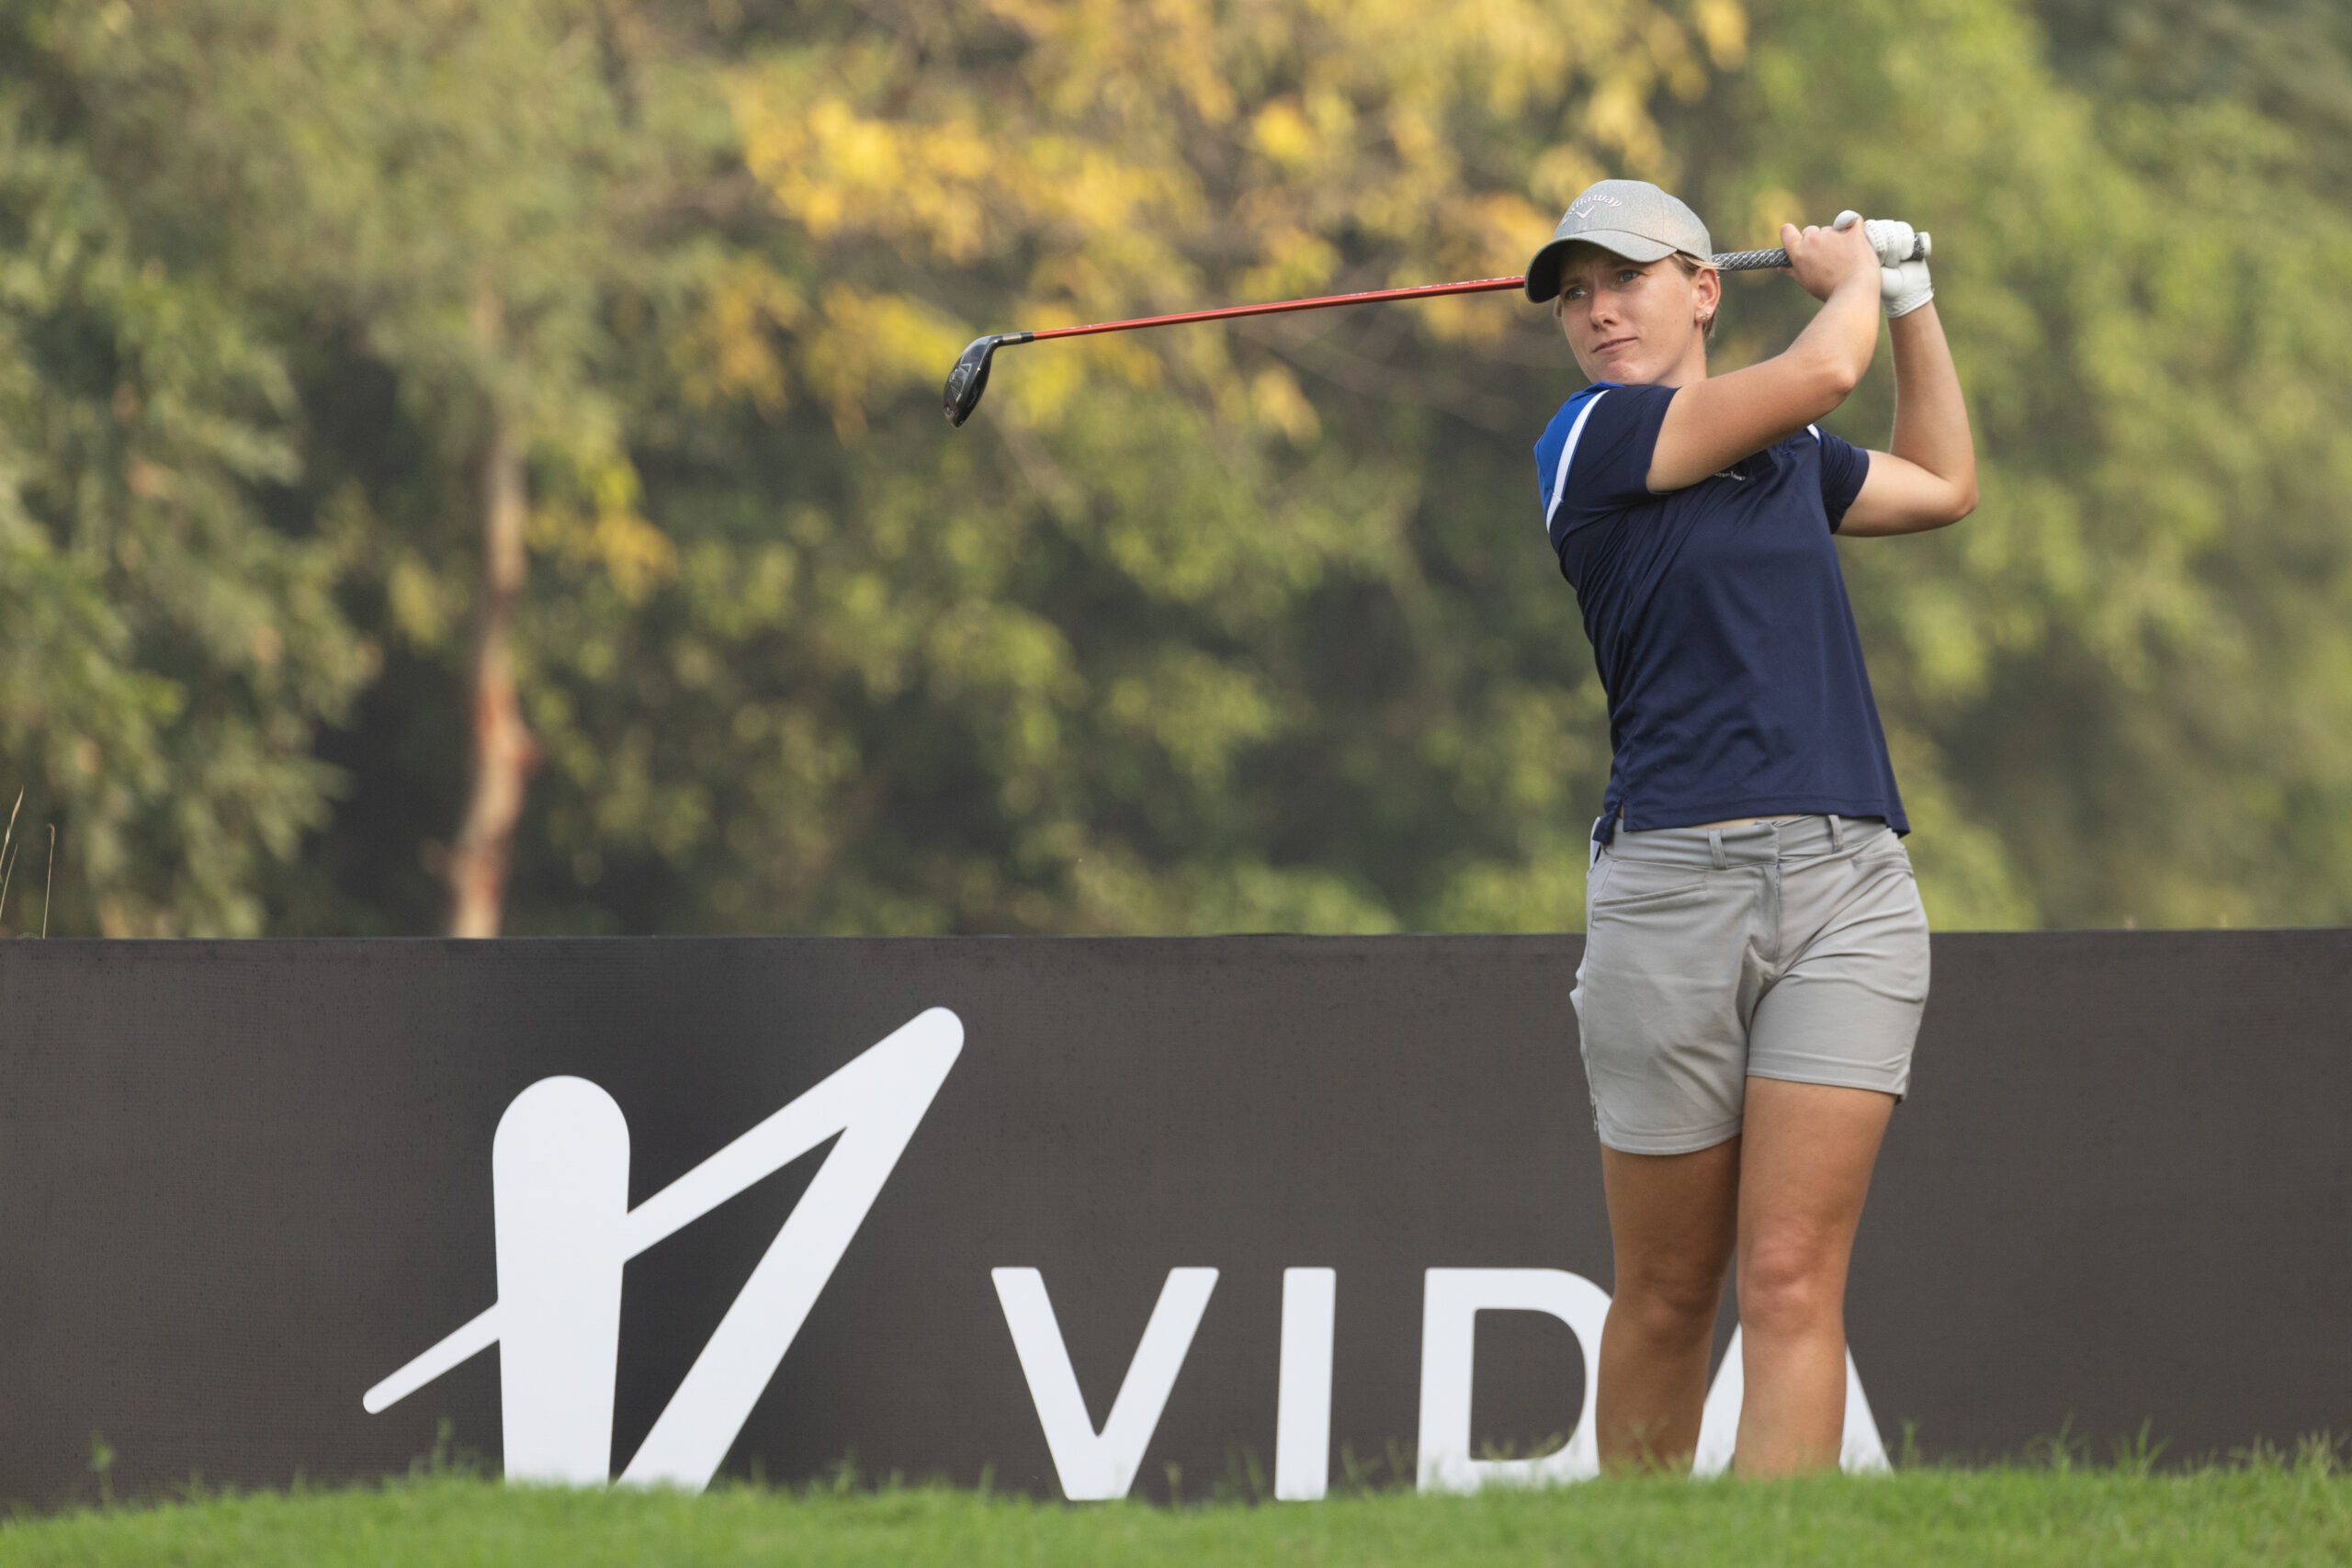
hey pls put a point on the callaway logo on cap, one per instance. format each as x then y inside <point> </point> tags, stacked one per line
<point>1631,218</point>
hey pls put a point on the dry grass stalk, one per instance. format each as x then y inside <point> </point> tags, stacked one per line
<point>7,866</point>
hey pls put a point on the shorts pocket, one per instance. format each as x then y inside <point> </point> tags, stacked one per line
<point>1640,884</point>
<point>1892,855</point>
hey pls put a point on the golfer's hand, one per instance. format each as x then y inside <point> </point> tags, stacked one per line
<point>1904,287</point>
<point>1823,260</point>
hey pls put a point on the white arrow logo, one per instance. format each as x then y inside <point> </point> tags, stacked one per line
<point>559,1195</point>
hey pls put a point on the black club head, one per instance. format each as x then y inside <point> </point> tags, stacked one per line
<point>970,377</point>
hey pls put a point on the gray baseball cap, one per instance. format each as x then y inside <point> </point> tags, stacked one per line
<point>1631,218</point>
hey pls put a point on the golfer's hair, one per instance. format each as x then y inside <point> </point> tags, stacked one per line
<point>1691,267</point>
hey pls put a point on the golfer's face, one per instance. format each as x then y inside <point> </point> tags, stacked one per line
<point>1627,321</point>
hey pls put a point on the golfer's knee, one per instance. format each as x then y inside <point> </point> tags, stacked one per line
<point>1791,1290</point>
<point>1670,1306</point>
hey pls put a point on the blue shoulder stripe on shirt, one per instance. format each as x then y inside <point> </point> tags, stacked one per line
<point>1568,455</point>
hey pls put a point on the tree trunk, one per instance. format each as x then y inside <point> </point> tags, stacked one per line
<point>504,751</point>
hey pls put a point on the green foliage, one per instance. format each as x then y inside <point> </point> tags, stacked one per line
<point>2128,666</point>
<point>424,218</point>
<point>1205,629</point>
<point>166,656</point>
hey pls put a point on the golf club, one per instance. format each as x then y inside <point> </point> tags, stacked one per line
<point>970,377</point>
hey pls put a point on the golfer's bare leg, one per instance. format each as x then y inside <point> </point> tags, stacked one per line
<point>1804,1169</point>
<point>1671,1226</point>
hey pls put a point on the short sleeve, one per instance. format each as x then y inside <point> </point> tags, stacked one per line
<point>1608,462</point>
<point>1844,466</point>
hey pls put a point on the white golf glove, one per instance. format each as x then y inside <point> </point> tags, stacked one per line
<point>1903,285</point>
<point>1904,288</point>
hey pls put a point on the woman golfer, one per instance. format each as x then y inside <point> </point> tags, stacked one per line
<point>1756,957</point>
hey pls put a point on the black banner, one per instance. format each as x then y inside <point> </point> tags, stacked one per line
<point>249,1185</point>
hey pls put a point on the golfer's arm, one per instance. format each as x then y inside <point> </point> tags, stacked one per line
<point>1713,424</point>
<point>1930,479</point>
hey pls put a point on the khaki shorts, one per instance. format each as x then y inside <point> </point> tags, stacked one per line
<point>1794,950</point>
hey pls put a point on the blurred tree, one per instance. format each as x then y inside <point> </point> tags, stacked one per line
<point>458,191</point>
<point>2127,668</point>
<point>166,655</point>
<point>2290,60</point>
<point>1212,628</point>
<point>1234,628</point>
<point>1188,632</point>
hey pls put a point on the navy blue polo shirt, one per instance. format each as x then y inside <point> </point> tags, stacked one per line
<point>1718,618</point>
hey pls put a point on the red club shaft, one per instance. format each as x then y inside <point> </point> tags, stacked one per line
<point>1423,291</point>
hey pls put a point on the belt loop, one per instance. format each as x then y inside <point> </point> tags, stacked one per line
<point>1715,843</point>
<point>1837,834</point>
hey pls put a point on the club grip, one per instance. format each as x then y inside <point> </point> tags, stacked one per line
<point>1758,261</point>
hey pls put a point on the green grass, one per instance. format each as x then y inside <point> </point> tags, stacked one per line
<point>2263,1512</point>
